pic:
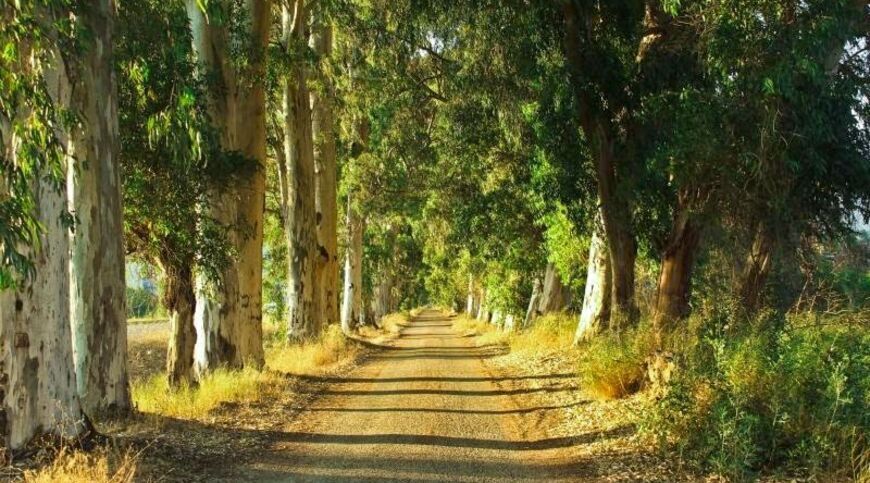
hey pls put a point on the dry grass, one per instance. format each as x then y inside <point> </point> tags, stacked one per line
<point>549,333</point>
<point>153,395</point>
<point>331,347</point>
<point>610,367</point>
<point>613,366</point>
<point>79,467</point>
<point>468,325</point>
<point>393,323</point>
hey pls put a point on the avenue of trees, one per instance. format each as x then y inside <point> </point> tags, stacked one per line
<point>672,167</point>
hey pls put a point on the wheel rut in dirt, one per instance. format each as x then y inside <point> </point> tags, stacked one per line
<point>425,408</point>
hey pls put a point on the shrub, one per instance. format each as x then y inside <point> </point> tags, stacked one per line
<point>141,302</point>
<point>771,394</point>
<point>612,366</point>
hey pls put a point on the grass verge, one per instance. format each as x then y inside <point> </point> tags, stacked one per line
<point>152,395</point>
<point>73,466</point>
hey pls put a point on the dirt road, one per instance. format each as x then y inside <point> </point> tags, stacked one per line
<point>426,408</point>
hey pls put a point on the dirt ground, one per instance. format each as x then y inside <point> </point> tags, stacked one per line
<point>427,406</point>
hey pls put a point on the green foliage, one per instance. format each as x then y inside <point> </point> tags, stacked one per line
<point>141,302</point>
<point>170,156</point>
<point>613,365</point>
<point>775,393</point>
<point>33,38</point>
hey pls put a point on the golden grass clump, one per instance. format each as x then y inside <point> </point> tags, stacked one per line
<point>468,325</point>
<point>393,323</point>
<point>613,366</point>
<point>548,333</point>
<point>493,337</point>
<point>331,347</point>
<point>71,466</point>
<point>153,395</point>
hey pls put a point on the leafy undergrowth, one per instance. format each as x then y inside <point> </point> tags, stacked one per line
<point>74,466</point>
<point>770,395</point>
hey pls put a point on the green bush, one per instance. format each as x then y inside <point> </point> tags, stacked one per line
<point>612,366</point>
<point>773,394</point>
<point>141,302</point>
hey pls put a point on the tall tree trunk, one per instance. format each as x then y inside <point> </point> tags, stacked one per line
<point>469,303</point>
<point>534,303</point>
<point>597,295</point>
<point>597,124</point>
<point>553,296</point>
<point>483,310</point>
<point>616,219</point>
<point>351,310</point>
<point>672,301</point>
<point>228,314</point>
<point>97,287</point>
<point>37,378</point>
<point>756,269</point>
<point>381,297</point>
<point>179,299</point>
<point>303,319</point>
<point>326,267</point>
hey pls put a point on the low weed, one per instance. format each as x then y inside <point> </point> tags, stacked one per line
<point>74,466</point>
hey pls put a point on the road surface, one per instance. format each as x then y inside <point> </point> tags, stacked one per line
<point>426,408</point>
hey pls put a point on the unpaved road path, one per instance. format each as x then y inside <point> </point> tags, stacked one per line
<point>426,408</point>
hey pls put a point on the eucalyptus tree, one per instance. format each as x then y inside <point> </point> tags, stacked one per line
<point>304,318</point>
<point>326,174</point>
<point>796,118</point>
<point>97,285</point>
<point>230,40</point>
<point>170,158</point>
<point>57,116</point>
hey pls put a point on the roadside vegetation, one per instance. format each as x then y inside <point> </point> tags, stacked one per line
<point>670,198</point>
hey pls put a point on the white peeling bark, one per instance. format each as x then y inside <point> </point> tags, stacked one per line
<point>301,231</point>
<point>510,323</point>
<point>352,309</point>
<point>97,288</point>
<point>37,378</point>
<point>534,302</point>
<point>469,304</point>
<point>326,266</point>
<point>382,296</point>
<point>496,318</point>
<point>228,314</point>
<point>597,295</point>
<point>483,310</point>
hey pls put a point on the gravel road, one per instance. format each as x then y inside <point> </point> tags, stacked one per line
<point>427,408</point>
